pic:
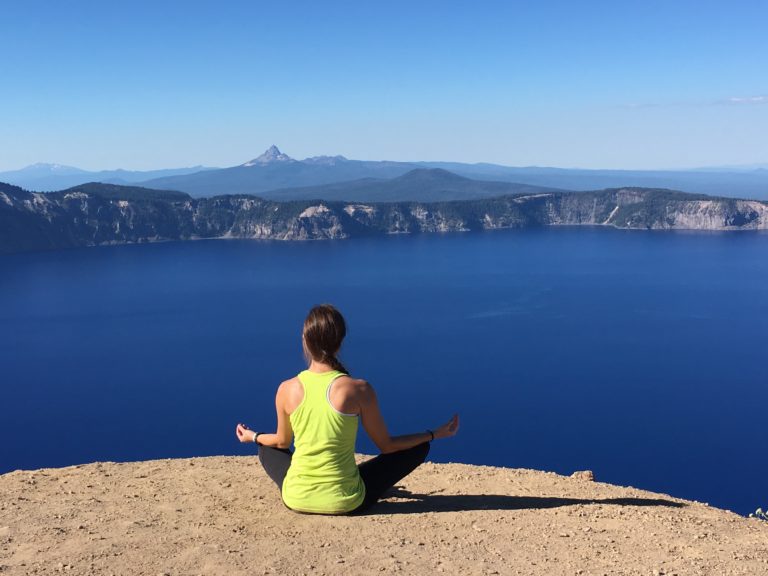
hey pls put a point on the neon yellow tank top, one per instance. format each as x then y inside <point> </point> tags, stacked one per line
<point>323,477</point>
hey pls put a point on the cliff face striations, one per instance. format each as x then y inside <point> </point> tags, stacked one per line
<point>98,214</point>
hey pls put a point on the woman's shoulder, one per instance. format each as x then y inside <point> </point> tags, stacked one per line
<point>289,382</point>
<point>351,385</point>
<point>290,385</point>
<point>351,380</point>
<point>290,394</point>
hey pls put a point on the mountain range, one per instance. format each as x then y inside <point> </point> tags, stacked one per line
<point>274,174</point>
<point>43,177</point>
<point>97,214</point>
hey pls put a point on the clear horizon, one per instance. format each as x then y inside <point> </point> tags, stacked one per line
<point>595,85</point>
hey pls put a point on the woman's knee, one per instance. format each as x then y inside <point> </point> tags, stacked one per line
<point>276,462</point>
<point>422,450</point>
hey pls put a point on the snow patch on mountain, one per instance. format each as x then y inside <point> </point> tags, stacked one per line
<point>271,156</point>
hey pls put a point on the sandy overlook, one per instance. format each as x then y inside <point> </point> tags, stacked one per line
<point>222,515</point>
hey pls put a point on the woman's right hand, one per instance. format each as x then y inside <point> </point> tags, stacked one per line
<point>244,434</point>
<point>448,429</point>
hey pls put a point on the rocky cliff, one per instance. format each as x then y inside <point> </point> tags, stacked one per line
<point>97,214</point>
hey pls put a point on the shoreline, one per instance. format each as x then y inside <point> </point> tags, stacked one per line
<point>705,232</point>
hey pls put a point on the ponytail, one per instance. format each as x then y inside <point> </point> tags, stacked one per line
<point>333,362</point>
<point>324,331</point>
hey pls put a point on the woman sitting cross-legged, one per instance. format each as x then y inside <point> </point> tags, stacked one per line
<point>319,411</point>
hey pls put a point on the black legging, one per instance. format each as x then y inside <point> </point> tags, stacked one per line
<point>379,474</point>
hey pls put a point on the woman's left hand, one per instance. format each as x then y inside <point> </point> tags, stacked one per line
<point>448,429</point>
<point>244,434</point>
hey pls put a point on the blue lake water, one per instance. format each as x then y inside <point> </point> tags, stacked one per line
<point>639,355</point>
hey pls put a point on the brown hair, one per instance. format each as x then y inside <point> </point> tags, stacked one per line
<point>324,330</point>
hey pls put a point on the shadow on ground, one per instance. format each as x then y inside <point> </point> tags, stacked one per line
<point>410,503</point>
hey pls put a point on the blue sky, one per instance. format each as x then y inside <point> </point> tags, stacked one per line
<point>592,84</point>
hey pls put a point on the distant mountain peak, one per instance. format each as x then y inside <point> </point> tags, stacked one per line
<point>46,168</point>
<point>326,160</point>
<point>270,156</point>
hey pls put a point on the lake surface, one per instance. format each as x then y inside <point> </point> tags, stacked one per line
<point>639,355</point>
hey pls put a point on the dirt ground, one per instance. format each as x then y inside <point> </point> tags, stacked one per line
<point>222,515</point>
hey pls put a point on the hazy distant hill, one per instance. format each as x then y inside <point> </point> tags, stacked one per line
<point>419,185</point>
<point>47,177</point>
<point>98,214</point>
<point>733,182</point>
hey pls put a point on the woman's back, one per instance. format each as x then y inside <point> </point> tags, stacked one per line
<point>319,411</point>
<point>323,476</point>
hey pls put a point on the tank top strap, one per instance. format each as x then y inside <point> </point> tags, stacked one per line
<point>316,383</point>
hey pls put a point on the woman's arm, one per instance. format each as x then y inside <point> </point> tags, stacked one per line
<point>284,435</point>
<point>374,425</point>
